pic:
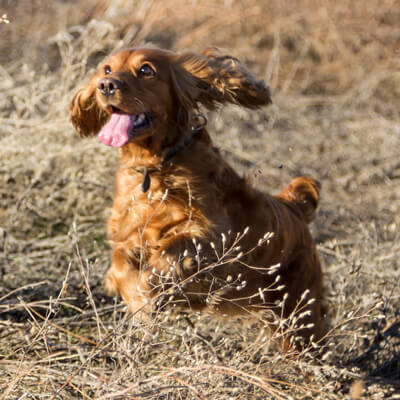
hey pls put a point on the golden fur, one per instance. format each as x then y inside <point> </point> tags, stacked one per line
<point>178,205</point>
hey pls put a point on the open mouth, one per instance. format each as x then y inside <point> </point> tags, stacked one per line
<point>123,127</point>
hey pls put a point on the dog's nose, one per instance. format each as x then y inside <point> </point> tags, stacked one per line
<point>108,86</point>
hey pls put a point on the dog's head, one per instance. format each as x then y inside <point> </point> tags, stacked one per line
<point>138,93</point>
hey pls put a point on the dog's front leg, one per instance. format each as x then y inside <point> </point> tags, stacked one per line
<point>180,270</point>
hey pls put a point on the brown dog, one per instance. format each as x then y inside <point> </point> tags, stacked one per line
<point>180,214</point>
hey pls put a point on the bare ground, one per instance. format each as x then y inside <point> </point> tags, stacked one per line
<point>333,67</point>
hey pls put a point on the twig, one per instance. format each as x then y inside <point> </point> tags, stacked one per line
<point>191,388</point>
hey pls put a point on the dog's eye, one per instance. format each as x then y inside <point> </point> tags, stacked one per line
<point>107,70</point>
<point>146,70</point>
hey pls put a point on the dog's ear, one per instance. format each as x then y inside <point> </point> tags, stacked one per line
<point>84,113</point>
<point>211,78</point>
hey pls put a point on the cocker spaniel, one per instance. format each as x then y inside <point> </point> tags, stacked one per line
<point>184,225</point>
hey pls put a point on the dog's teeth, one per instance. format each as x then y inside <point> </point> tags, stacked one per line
<point>140,119</point>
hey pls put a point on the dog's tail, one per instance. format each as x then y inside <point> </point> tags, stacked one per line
<point>304,192</point>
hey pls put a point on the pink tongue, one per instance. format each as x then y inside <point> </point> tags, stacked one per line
<point>116,131</point>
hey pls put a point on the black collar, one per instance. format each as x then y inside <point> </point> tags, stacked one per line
<point>199,123</point>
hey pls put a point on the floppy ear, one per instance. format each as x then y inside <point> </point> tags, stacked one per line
<point>84,113</point>
<point>211,78</point>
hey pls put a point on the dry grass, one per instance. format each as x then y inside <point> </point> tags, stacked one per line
<point>334,70</point>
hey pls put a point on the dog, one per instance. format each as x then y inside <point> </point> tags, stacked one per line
<point>183,223</point>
